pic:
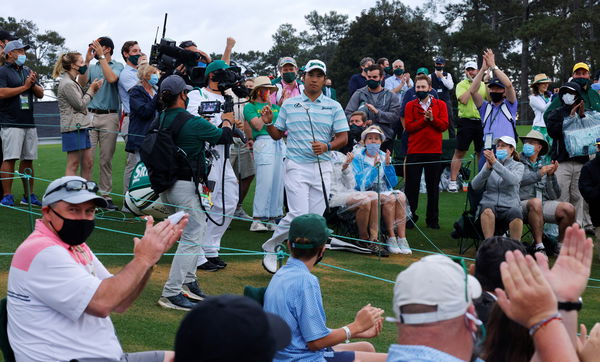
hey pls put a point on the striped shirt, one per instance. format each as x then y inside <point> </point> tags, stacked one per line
<point>327,118</point>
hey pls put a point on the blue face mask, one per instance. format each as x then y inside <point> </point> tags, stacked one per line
<point>528,150</point>
<point>372,148</point>
<point>21,59</point>
<point>153,79</point>
<point>501,154</point>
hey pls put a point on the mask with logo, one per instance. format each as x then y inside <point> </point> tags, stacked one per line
<point>373,148</point>
<point>133,59</point>
<point>501,154</point>
<point>74,232</point>
<point>422,94</point>
<point>153,79</point>
<point>82,69</point>
<point>373,84</point>
<point>289,77</point>
<point>398,71</point>
<point>528,149</point>
<point>496,97</point>
<point>568,98</point>
<point>21,59</point>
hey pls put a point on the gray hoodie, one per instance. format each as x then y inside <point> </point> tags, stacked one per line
<point>501,183</point>
<point>532,181</point>
<point>385,101</point>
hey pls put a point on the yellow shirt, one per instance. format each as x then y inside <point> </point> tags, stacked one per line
<point>468,110</point>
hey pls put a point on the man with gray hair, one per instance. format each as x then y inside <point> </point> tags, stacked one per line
<point>433,304</point>
<point>400,82</point>
<point>359,80</point>
<point>60,296</point>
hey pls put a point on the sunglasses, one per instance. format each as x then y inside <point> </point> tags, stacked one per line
<point>76,185</point>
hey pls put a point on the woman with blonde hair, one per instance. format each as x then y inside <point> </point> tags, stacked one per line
<point>268,158</point>
<point>72,106</point>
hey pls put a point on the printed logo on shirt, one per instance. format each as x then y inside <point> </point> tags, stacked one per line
<point>22,297</point>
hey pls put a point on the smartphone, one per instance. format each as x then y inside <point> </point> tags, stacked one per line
<point>488,141</point>
<point>176,217</point>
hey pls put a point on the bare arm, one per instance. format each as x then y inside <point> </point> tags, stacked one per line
<point>11,92</point>
<point>474,90</point>
<point>114,293</point>
<point>511,95</point>
<point>227,53</point>
<point>127,302</point>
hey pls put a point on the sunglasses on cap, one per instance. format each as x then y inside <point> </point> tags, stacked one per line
<point>187,43</point>
<point>77,185</point>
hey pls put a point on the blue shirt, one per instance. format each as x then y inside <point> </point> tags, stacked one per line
<point>497,123</point>
<point>107,97</point>
<point>294,294</point>
<point>409,353</point>
<point>127,80</point>
<point>327,118</point>
<point>393,82</point>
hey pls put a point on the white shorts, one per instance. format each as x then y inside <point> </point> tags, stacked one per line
<point>548,210</point>
<point>19,143</point>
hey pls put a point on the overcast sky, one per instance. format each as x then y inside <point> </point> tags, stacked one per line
<point>208,23</point>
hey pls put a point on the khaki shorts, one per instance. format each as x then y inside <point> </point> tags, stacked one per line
<point>19,143</point>
<point>241,162</point>
<point>548,210</point>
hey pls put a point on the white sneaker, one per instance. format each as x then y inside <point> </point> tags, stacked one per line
<point>239,212</point>
<point>271,225</point>
<point>404,247</point>
<point>452,186</point>
<point>392,245</point>
<point>269,262</point>
<point>257,225</point>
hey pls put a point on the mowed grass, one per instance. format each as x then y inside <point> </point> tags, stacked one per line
<point>147,326</point>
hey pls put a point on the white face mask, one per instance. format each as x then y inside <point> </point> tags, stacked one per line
<point>568,98</point>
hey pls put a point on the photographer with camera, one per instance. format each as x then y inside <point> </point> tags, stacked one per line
<point>183,194</point>
<point>207,102</point>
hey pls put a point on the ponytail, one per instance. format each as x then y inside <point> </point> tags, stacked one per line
<point>64,63</point>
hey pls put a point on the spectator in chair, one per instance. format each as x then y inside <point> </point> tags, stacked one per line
<point>499,179</point>
<point>539,191</point>
<point>374,171</point>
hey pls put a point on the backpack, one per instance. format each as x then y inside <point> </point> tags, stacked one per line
<point>165,160</point>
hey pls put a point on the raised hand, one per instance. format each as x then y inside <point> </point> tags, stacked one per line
<point>266,115</point>
<point>569,274</point>
<point>388,157</point>
<point>588,349</point>
<point>157,239</point>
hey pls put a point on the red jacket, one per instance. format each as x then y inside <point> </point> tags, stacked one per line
<point>425,136</point>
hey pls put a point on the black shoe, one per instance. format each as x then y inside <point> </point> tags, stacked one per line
<point>209,267</point>
<point>110,205</point>
<point>434,225</point>
<point>193,292</point>
<point>218,262</point>
<point>179,302</point>
<point>376,249</point>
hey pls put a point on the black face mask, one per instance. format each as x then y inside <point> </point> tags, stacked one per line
<point>439,68</point>
<point>319,258</point>
<point>355,132</point>
<point>496,97</point>
<point>74,232</point>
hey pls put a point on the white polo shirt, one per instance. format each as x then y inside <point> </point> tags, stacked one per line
<point>49,287</point>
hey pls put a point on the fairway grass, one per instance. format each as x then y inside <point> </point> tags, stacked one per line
<point>147,326</point>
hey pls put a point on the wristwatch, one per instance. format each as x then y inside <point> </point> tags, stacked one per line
<point>495,67</point>
<point>569,306</point>
<point>100,57</point>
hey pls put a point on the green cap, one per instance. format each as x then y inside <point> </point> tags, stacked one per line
<point>215,65</point>
<point>422,70</point>
<point>309,226</point>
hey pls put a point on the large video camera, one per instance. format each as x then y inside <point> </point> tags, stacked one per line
<point>231,78</point>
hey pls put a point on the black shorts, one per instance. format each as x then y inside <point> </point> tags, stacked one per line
<point>469,130</point>
<point>503,214</point>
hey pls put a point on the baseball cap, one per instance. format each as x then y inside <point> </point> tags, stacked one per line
<point>496,82</point>
<point>230,328</point>
<point>598,141</point>
<point>506,139</point>
<point>440,60</point>
<point>174,84</point>
<point>372,129</point>
<point>286,60</point>
<point>581,65</point>
<point>5,35</point>
<point>315,64</point>
<point>471,64</point>
<point>215,65</point>
<point>435,280</point>
<point>14,45</point>
<point>309,226</point>
<point>60,190</point>
<point>423,70</point>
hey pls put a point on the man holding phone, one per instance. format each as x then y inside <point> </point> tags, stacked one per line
<point>104,108</point>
